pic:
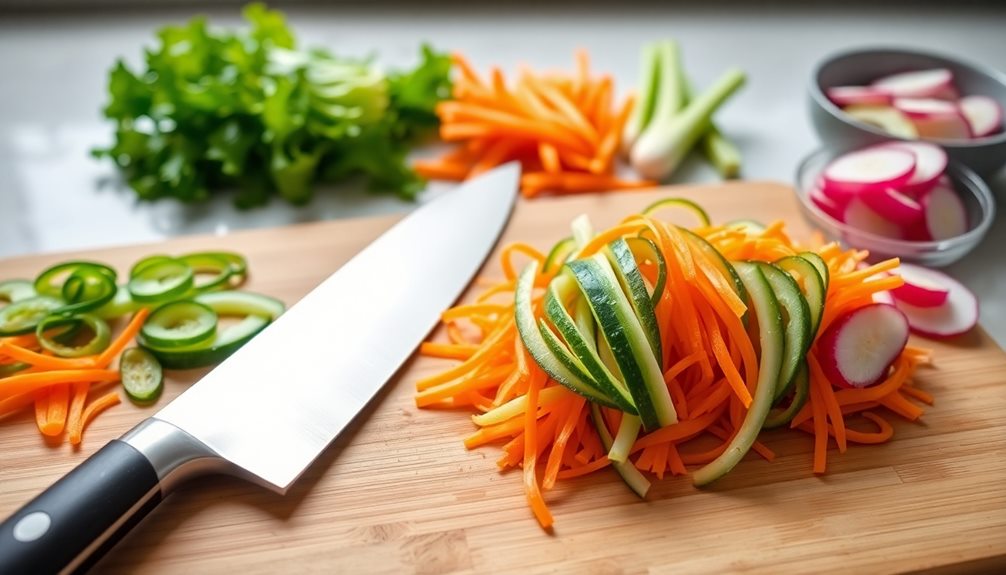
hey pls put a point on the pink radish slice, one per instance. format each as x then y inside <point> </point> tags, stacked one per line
<point>883,297</point>
<point>884,117</point>
<point>957,315</point>
<point>948,93</point>
<point>861,95</point>
<point>894,205</point>
<point>922,288</point>
<point>918,232</point>
<point>935,118</point>
<point>860,346</point>
<point>984,115</point>
<point>930,164</point>
<point>919,84</point>
<point>860,216</point>
<point>869,169</point>
<point>827,204</point>
<point>946,216</point>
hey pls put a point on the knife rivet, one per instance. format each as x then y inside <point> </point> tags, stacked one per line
<point>32,526</point>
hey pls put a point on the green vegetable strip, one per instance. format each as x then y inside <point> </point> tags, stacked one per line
<point>628,431</point>
<point>646,96</point>
<point>722,153</point>
<point>670,98</point>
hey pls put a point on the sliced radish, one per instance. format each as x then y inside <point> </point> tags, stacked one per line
<point>860,216</point>
<point>894,205</point>
<point>918,232</point>
<point>946,215</point>
<point>918,84</point>
<point>883,297</point>
<point>827,204</point>
<point>869,169</point>
<point>930,164</point>
<point>886,118</point>
<point>957,315</point>
<point>864,95</point>
<point>984,115</point>
<point>923,287</point>
<point>948,93</point>
<point>860,345</point>
<point>935,118</point>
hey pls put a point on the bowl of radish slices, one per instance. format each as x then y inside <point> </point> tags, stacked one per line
<point>867,96</point>
<point>897,199</point>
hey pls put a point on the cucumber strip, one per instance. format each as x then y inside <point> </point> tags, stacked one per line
<point>771,336</point>
<point>558,255</point>
<point>9,369</point>
<point>23,315</point>
<point>778,417</point>
<point>623,263</point>
<point>628,431</point>
<point>582,230</point>
<point>632,477</point>
<point>101,335</point>
<point>531,336</point>
<point>820,265</point>
<point>796,323</point>
<point>627,339</point>
<point>583,349</point>
<point>644,249</point>
<point>15,290</point>
<point>811,285</point>
<point>142,376</point>
<point>180,324</point>
<point>688,205</point>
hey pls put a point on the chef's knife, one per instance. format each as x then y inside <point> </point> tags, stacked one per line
<point>328,355</point>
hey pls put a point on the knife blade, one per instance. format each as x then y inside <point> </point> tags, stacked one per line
<point>348,337</point>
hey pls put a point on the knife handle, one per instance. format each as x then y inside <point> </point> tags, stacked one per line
<point>75,521</point>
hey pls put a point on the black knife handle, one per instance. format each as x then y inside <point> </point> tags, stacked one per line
<point>76,520</point>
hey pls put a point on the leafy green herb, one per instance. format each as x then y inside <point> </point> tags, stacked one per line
<point>248,110</point>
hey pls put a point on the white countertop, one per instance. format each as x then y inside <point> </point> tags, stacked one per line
<point>53,73</point>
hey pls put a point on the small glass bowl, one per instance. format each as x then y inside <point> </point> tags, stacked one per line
<point>977,198</point>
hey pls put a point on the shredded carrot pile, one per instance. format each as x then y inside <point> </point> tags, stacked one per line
<point>62,390</point>
<point>710,362</point>
<point>564,129</point>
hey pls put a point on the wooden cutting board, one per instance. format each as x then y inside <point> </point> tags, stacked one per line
<point>398,493</point>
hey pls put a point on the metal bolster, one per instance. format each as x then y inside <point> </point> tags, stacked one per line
<point>175,455</point>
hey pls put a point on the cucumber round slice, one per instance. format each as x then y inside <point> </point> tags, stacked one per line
<point>796,322</point>
<point>87,288</point>
<point>180,324</point>
<point>23,315</point>
<point>811,285</point>
<point>160,281</point>
<point>51,281</point>
<point>772,339</point>
<point>16,290</point>
<point>142,376</point>
<point>101,335</point>
<point>237,262</point>
<point>242,303</point>
<point>208,263</point>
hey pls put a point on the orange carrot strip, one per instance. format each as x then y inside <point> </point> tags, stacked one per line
<point>41,408</point>
<point>16,403</point>
<point>549,156</point>
<point>441,170</point>
<point>41,360</point>
<point>467,72</point>
<point>917,393</point>
<point>677,431</point>
<point>827,395</point>
<point>820,430</point>
<point>489,346</point>
<point>447,351</point>
<point>585,469</point>
<point>507,124</point>
<point>94,408</point>
<point>25,382</point>
<point>580,182</point>
<point>473,381</point>
<point>559,445</point>
<point>531,489</point>
<point>75,417</point>
<point>508,251</point>
<point>898,404</point>
<point>612,138</point>
<point>55,420</point>
<point>463,311</point>
<point>571,114</point>
<point>120,342</point>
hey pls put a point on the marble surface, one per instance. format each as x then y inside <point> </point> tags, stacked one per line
<point>54,196</point>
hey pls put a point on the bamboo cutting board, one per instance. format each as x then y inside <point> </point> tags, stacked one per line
<point>398,493</point>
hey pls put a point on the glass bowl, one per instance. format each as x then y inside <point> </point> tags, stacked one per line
<point>975,194</point>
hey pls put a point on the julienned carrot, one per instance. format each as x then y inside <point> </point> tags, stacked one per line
<point>25,382</point>
<point>75,417</point>
<point>94,408</point>
<point>564,125</point>
<point>710,363</point>
<point>59,403</point>
<point>119,343</point>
